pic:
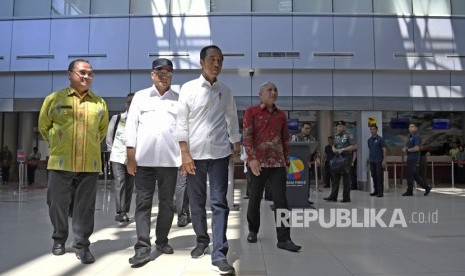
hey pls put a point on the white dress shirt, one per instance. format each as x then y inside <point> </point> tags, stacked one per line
<point>207,119</point>
<point>117,147</point>
<point>150,128</point>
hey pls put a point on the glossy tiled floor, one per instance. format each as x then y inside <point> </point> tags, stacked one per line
<point>433,248</point>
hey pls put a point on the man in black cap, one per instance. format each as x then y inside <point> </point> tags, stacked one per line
<point>344,144</point>
<point>153,157</point>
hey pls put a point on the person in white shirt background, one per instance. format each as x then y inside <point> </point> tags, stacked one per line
<point>153,157</point>
<point>116,145</point>
<point>206,125</point>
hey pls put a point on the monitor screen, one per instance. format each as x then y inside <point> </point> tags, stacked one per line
<point>399,123</point>
<point>441,123</point>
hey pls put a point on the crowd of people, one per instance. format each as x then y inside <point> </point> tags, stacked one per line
<point>173,142</point>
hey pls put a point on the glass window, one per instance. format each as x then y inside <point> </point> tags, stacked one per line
<point>271,5</point>
<point>231,6</point>
<point>190,6</point>
<point>315,6</point>
<point>352,6</point>
<point>6,8</point>
<point>457,7</point>
<point>150,7</point>
<point>431,7</point>
<point>109,7</point>
<point>32,8</point>
<point>399,7</point>
<point>70,7</point>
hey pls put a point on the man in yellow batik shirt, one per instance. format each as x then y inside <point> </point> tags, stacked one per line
<point>74,122</point>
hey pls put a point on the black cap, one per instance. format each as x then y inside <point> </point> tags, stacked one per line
<point>341,122</point>
<point>162,62</point>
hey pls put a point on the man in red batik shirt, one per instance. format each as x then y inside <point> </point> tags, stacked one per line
<point>266,142</point>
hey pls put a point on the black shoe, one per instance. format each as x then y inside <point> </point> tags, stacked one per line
<point>141,257</point>
<point>126,218</point>
<point>379,195</point>
<point>252,237</point>
<point>165,248</point>
<point>427,190</point>
<point>289,246</point>
<point>183,221</point>
<point>327,186</point>
<point>121,217</point>
<point>310,202</point>
<point>373,194</point>
<point>246,197</point>
<point>344,200</point>
<point>58,249</point>
<point>199,250</point>
<point>407,194</point>
<point>330,199</point>
<point>84,255</point>
<point>223,267</point>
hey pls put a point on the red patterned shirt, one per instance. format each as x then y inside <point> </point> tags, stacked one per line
<point>266,136</point>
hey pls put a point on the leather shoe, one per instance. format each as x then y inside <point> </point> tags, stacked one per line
<point>327,186</point>
<point>310,202</point>
<point>373,194</point>
<point>330,199</point>
<point>121,217</point>
<point>199,250</point>
<point>427,190</point>
<point>165,248</point>
<point>252,237</point>
<point>58,249</point>
<point>289,246</point>
<point>344,200</point>
<point>183,221</point>
<point>379,195</point>
<point>407,194</point>
<point>141,257</point>
<point>84,255</point>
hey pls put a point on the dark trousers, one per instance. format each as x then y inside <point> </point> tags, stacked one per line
<point>146,179</point>
<point>124,185</point>
<point>182,199</point>
<point>277,177</point>
<point>412,175</point>
<point>63,188</point>
<point>5,173</point>
<point>376,169</point>
<point>345,180</point>
<point>217,171</point>
<point>328,175</point>
<point>31,170</point>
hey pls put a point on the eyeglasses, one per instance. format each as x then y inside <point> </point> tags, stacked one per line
<point>83,74</point>
<point>163,74</point>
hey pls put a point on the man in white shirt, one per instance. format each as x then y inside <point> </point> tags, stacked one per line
<point>206,126</point>
<point>116,145</point>
<point>153,156</point>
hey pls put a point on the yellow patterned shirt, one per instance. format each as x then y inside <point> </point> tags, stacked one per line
<point>74,127</point>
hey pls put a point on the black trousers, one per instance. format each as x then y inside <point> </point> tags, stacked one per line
<point>376,169</point>
<point>146,179</point>
<point>277,178</point>
<point>412,175</point>
<point>345,180</point>
<point>328,175</point>
<point>124,185</point>
<point>5,173</point>
<point>31,170</point>
<point>63,188</point>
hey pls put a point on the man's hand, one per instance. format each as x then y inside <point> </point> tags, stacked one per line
<point>237,149</point>
<point>255,167</point>
<point>131,166</point>
<point>188,165</point>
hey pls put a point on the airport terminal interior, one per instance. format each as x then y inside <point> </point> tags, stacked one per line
<point>383,62</point>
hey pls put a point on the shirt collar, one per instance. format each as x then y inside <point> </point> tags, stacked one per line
<point>72,92</point>
<point>155,92</point>
<point>205,82</point>
<point>263,106</point>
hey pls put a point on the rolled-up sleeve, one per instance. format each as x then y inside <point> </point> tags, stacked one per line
<point>232,121</point>
<point>132,121</point>
<point>182,119</point>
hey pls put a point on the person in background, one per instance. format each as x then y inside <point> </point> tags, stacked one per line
<point>344,144</point>
<point>454,150</point>
<point>377,149</point>
<point>6,159</point>
<point>314,158</point>
<point>353,171</point>
<point>328,155</point>
<point>32,162</point>
<point>266,142</point>
<point>206,125</point>
<point>116,145</point>
<point>182,201</point>
<point>74,122</point>
<point>154,158</point>
<point>412,148</point>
